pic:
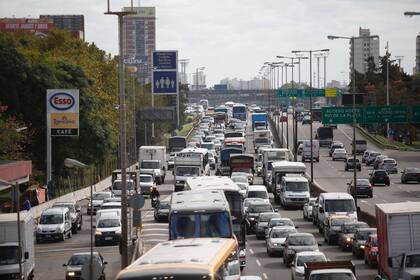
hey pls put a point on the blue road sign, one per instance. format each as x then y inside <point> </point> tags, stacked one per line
<point>165,82</point>
<point>165,60</point>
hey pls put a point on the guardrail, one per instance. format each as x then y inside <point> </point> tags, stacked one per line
<point>316,188</point>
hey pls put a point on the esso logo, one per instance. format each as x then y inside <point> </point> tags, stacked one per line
<point>62,101</point>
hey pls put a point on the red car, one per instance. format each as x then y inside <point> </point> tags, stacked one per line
<point>371,251</point>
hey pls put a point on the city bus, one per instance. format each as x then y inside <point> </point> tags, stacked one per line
<point>199,213</point>
<point>187,259</point>
<point>235,200</point>
<point>239,112</point>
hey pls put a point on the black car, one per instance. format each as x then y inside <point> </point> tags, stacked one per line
<point>161,212</point>
<point>349,164</point>
<point>379,176</point>
<point>334,146</point>
<point>253,211</point>
<point>364,188</point>
<point>410,174</point>
<point>76,262</point>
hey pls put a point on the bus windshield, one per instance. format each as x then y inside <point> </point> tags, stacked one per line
<point>200,225</point>
<point>187,171</point>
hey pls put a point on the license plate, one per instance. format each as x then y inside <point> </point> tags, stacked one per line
<point>108,238</point>
<point>47,235</point>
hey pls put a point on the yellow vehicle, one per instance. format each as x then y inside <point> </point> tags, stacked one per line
<point>187,259</point>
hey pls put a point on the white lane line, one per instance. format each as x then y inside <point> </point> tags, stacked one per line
<point>384,200</point>
<point>70,249</point>
<point>265,276</point>
<point>364,201</point>
<point>251,251</point>
<point>155,240</point>
<point>155,229</point>
<point>258,262</point>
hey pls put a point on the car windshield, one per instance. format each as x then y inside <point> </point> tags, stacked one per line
<point>352,160</point>
<point>283,222</point>
<point>258,194</point>
<point>351,228</point>
<point>107,223</point>
<point>340,205</point>
<point>239,179</point>
<point>380,173</point>
<point>283,233</point>
<point>100,196</point>
<point>9,255</point>
<point>332,276</point>
<point>146,179</point>
<point>260,208</point>
<point>164,205</point>
<point>364,234</point>
<point>208,146</point>
<point>118,185</point>
<point>302,240</point>
<point>77,260</point>
<point>51,219</point>
<point>297,187</point>
<point>65,205</point>
<point>362,182</point>
<point>187,171</point>
<point>262,141</point>
<point>150,164</point>
<point>413,261</point>
<point>266,217</point>
<point>308,259</point>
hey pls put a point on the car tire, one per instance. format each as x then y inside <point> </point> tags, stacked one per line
<point>70,234</point>
<point>63,237</point>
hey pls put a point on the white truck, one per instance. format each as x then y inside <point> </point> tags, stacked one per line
<point>398,230</point>
<point>187,165</point>
<point>9,262</point>
<point>152,160</point>
<point>269,156</point>
<point>262,138</point>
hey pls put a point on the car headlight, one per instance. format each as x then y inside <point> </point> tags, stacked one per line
<point>118,232</point>
<point>251,218</point>
<point>317,250</point>
<point>276,244</point>
<point>242,253</point>
<point>178,182</point>
<point>71,273</point>
<point>98,232</point>
<point>348,239</point>
<point>362,246</point>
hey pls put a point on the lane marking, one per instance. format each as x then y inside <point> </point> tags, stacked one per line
<point>258,262</point>
<point>71,249</point>
<point>265,275</point>
<point>155,229</point>
<point>251,251</point>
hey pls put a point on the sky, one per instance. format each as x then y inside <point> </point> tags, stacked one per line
<point>233,38</point>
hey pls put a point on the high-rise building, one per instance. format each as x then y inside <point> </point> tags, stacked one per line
<point>75,24</point>
<point>199,80</point>
<point>417,68</point>
<point>139,40</point>
<point>364,48</point>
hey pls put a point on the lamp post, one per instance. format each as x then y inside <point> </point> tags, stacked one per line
<point>410,14</point>
<point>122,120</point>
<point>310,99</point>
<point>331,37</point>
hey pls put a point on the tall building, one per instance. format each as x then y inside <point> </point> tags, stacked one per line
<point>75,24</point>
<point>364,48</point>
<point>198,80</point>
<point>139,36</point>
<point>417,68</point>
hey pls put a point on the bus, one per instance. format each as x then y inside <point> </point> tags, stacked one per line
<point>194,152</point>
<point>235,200</point>
<point>239,112</point>
<point>199,213</point>
<point>186,259</point>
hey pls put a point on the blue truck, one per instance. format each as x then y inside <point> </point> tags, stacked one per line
<point>259,120</point>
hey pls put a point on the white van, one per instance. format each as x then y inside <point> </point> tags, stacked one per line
<point>54,224</point>
<point>258,191</point>
<point>306,150</point>
<point>335,204</point>
<point>116,187</point>
<point>280,169</point>
<point>293,191</point>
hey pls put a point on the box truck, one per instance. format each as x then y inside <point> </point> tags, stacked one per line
<point>398,226</point>
<point>152,160</point>
<point>9,246</point>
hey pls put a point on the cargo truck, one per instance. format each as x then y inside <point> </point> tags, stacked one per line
<point>152,160</point>
<point>186,166</point>
<point>398,230</point>
<point>9,264</point>
<point>259,119</point>
<point>324,135</point>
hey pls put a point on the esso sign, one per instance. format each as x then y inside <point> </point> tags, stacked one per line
<point>62,101</point>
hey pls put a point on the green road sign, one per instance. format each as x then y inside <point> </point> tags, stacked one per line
<point>341,115</point>
<point>386,114</point>
<point>415,118</point>
<point>302,93</point>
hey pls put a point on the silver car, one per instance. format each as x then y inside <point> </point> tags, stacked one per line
<point>262,223</point>
<point>276,238</point>
<point>308,209</point>
<point>278,222</point>
<point>298,242</point>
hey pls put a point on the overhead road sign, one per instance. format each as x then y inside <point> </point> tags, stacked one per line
<point>330,92</point>
<point>165,73</point>
<point>386,114</point>
<point>306,93</point>
<point>341,115</point>
<point>415,114</point>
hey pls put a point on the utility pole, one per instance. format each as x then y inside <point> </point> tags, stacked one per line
<point>123,149</point>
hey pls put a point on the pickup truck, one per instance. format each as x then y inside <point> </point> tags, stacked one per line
<point>332,270</point>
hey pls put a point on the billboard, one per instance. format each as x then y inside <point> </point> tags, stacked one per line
<point>30,25</point>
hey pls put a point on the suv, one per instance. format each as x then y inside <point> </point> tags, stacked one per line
<point>334,146</point>
<point>379,176</point>
<point>75,214</point>
<point>378,160</point>
<point>350,164</point>
<point>366,156</point>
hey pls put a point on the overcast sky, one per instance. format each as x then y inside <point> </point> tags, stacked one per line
<point>233,38</point>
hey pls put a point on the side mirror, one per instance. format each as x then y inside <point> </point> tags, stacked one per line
<point>390,262</point>
<point>64,265</point>
<point>26,255</point>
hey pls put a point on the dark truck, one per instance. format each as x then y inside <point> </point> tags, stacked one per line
<point>324,135</point>
<point>177,143</point>
<point>241,163</point>
<point>332,270</point>
<point>224,168</point>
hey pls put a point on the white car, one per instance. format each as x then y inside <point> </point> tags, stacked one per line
<point>308,209</point>
<point>108,229</point>
<point>298,270</point>
<point>146,183</point>
<point>276,238</point>
<point>339,154</point>
<point>244,188</point>
<point>248,175</point>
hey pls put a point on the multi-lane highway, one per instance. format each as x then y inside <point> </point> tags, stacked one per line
<point>332,176</point>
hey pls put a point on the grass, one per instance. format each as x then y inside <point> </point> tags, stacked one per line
<point>183,132</point>
<point>399,145</point>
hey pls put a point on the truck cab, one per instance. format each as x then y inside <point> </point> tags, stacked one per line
<point>408,265</point>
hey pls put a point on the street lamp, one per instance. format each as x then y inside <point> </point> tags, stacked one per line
<point>332,37</point>
<point>410,14</point>
<point>310,99</point>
